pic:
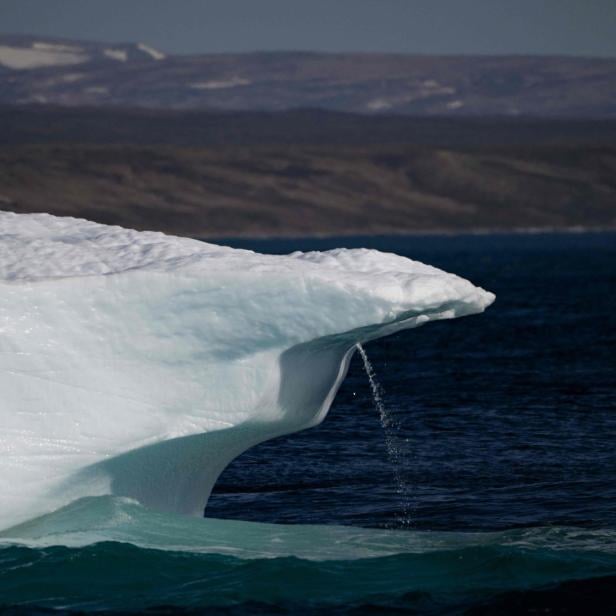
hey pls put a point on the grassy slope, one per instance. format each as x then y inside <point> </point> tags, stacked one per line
<point>312,189</point>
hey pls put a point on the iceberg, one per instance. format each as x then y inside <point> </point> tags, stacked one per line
<point>138,365</point>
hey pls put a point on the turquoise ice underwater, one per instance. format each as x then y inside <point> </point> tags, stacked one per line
<point>119,555</point>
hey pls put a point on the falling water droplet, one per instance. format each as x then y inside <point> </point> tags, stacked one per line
<point>395,452</point>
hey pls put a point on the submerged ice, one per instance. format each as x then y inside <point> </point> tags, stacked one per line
<point>138,364</point>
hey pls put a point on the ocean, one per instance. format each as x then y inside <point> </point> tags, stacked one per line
<point>480,479</point>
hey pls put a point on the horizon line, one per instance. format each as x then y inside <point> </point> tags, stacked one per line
<point>310,51</point>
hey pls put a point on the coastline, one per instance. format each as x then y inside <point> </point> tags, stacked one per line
<point>440,233</point>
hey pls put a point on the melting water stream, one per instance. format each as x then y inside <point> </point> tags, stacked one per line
<point>394,444</point>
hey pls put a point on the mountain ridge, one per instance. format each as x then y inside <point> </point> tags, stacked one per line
<point>45,70</point>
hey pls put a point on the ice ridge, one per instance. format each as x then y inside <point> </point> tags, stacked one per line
<point>139,364</point>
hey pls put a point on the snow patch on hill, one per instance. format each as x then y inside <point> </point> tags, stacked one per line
<point>220,84</point>
<point>121,55</point>
<point>41,55</point>
<point>154,53</point>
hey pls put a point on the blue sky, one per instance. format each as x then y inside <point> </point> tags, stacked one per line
<point>574,27</point>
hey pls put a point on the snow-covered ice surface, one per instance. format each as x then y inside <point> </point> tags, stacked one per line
<point>139,364</point>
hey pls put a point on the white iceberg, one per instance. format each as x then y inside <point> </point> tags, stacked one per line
<point>139,364</point>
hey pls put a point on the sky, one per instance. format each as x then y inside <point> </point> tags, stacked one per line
<point>572,27</point>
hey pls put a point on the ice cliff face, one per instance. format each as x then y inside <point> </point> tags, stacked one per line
<point>139,364</point>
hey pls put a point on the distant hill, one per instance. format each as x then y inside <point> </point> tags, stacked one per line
<point>53,71</point>
<point>310,190</point>
<point>31,124</point>
<point>306,172</point>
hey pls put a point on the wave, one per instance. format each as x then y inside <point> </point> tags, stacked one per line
<point>112,553</point>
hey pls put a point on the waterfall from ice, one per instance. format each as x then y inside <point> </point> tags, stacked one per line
<point>393,442</point>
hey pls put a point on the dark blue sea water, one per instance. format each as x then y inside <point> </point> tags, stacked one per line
<point>491,491</point>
